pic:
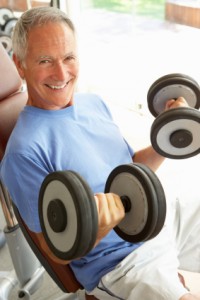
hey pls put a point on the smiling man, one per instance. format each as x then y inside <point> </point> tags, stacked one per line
<point>50,66</point>
<point>59,129</point>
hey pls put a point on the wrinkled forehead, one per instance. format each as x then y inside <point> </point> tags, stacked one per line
<point>51,35</point>
<point>51,29</point>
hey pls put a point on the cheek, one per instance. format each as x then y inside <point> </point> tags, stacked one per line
<point>38,77</point>
<point>75,69</point>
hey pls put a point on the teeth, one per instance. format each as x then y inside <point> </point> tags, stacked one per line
<point>57,87</point>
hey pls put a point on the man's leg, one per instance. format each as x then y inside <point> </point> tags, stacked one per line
<point>186,230</point>
<point>150,272</point>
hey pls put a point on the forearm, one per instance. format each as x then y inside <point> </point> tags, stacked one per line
<point>148,156</point>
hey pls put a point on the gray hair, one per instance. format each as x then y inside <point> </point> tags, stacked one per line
<point>31,18</point>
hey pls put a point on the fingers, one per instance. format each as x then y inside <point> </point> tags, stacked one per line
<point>109,207</point>
<point>173,103</point>
<point>169,104</point>
<point>110,212</point>
<point>114,202</point>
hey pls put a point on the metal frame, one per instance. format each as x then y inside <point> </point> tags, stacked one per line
<point>28,272</point>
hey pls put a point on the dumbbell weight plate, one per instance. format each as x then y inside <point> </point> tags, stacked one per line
<point>75,236</point>
<point>172,86</point>
<point>9,25</point>
<point>160,197</point>
<point>92,215</point>
<point>146,216</point>
<point>5,14</point>
<point>175,133</point>
<point>6,41</point>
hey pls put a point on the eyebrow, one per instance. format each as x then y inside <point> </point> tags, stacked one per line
<point>51,57</point>
<point>44,57</point>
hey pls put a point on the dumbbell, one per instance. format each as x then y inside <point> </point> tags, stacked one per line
<point>175,132</point>
<point>6,41</point>
<point>9,25</point>
<point>68,213</point>
<point>5,15</point>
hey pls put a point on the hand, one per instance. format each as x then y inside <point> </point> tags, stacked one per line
<point>110,213</point>
<point>179,102</point>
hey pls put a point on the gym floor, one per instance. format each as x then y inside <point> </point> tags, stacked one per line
<point>134,55</point>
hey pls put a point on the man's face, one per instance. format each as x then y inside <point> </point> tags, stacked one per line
<point>51,66</point>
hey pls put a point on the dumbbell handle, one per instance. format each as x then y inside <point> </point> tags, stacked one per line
<point>126,203</point>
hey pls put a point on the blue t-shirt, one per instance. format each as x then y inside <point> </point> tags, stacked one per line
<point>82,138</point>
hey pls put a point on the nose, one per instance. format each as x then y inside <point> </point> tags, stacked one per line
<point>60,72</point>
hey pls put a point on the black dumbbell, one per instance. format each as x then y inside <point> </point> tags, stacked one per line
<point>175,132</point>
<point>5,14</point>
<point>68,213</point>
<point>9,26</point>
<point>6,41</point>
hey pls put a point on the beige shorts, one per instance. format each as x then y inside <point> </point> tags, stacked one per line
<point>151,271</point>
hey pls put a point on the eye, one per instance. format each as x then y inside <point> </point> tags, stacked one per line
<point>69,58</point>
<point>44,61</point>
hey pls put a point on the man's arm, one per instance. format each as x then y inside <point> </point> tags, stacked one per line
<point>110,212</point>
<point>149,156</point>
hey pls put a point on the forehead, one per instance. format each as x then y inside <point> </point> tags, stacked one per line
<point>51,36</point>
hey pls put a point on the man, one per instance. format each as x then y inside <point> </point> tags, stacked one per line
<point>59,130</point>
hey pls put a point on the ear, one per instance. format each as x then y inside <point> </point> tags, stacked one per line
<point>19,66</point>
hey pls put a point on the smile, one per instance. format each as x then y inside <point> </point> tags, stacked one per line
<point>56,87</point>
